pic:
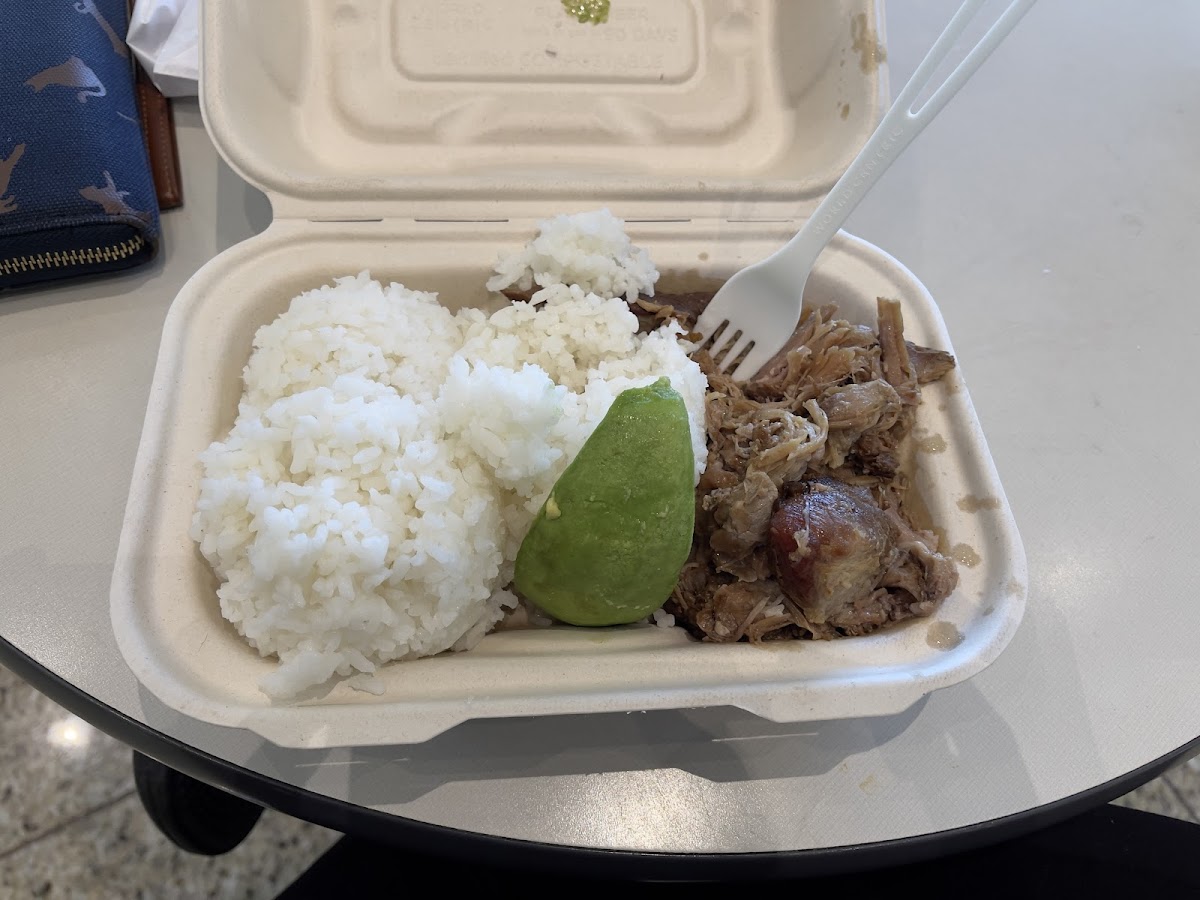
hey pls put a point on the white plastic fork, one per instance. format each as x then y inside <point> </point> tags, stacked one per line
<point>756,311</point>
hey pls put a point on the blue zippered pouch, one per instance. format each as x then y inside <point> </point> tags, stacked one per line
<point>76,192</point>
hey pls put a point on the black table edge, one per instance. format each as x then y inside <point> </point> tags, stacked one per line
<point>438,840</point>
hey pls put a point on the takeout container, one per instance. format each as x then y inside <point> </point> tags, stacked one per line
<point>418,140</point>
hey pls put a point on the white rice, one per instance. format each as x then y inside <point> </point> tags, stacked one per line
<point>590,250</point>
<point>663,619</point>
<point>389,456</point>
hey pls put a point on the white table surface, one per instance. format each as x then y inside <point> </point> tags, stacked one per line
<point>1054,212</point>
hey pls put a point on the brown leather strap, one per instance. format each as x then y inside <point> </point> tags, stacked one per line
<point>158,131</point>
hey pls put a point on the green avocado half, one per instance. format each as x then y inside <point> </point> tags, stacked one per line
<point>607,545</point>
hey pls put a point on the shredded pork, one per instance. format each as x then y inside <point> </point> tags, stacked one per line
<point>801,524</point>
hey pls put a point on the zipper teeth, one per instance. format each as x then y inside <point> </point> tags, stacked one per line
<point>60,259</point>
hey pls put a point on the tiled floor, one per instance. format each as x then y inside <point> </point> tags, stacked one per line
<point>71,825</point>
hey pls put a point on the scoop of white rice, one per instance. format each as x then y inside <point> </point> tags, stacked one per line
<point>388,458</point>
<point>589,249</point>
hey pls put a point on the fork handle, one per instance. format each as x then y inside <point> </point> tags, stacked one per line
<point>896,131</point>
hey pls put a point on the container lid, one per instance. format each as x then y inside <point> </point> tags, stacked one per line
<point>493,109</point>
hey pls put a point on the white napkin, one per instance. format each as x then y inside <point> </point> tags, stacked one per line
<point>165,36</point>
